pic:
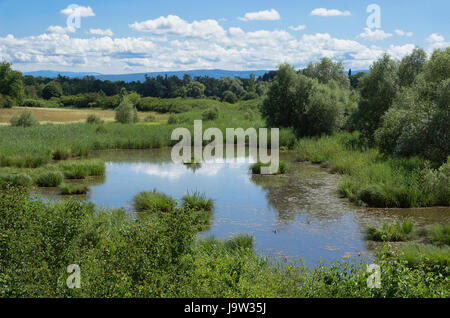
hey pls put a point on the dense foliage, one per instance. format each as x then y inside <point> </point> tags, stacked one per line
<point>157,255</point>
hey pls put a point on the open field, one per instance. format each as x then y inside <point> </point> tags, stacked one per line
<point>64,115</point>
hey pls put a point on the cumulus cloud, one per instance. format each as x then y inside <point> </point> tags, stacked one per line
<point>79,11</point>
<point>60,29</point>
<point>266,15</point>
<point>375,35</point>
<point>174,25</point>
<point>322,12</point>
<point>436,41</point>
<point>297,28</point>
<point>106,32</point>
<point>403,33</point>
<point>175,44</point>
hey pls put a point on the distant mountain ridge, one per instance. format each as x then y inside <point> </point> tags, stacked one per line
<point>134,77</point>
<point>141,76</point>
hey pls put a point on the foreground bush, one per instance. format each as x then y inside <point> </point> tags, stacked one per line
<point>159,256</point>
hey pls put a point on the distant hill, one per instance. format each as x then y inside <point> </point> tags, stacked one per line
<point>141,76</point>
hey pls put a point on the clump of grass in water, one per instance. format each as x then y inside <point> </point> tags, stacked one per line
<point>392,232</point>
<point>256,167</point>
<point>66,189</point>
<point>197,201</point>
<point>62,154</point>
<point>239,242</point>
<point>49,179</point>
<point>80,170</point>
<point>154,202</point>
<point>21,179</point>
<point>439,234</point>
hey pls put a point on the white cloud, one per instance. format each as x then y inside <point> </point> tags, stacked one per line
<point>266,15</point>
<point>403,33</point>
<point>436,41</point>
<point>434,38</point>
<point>322,12</point>
<point>375,35</point>
<point>60,29</point>
<point>79,11</point>
<point>174,25</point>
<point>297,28</point>
<point>174,44</point>
<point>106,32</point>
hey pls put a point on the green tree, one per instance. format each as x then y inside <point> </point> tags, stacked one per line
<point>126,113</point>
<point>195,90</point>
<point>11,83</point>
<point>295,100</point>
<point>378,90</point>
<point>229,97</point>
<point>410,66</point>
<point>327,71</point>
<point>52,89</point>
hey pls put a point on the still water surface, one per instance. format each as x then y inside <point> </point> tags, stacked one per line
<point>297,215</point>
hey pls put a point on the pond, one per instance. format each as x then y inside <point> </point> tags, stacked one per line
<point>297,215</point>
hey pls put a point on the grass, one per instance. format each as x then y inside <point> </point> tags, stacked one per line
<point>369,178</point>
<point>256,167</point>
<point>49,179</point>
<point>439,234</point>
<point>154,202</point>
<point>15,179</point>
<point>67,189</point>
<point>197,201</point>
<point>159,256</point>
<point>415,254</point>
<point>36,146</point>
<point>239,242</point>
<point>392,232</point>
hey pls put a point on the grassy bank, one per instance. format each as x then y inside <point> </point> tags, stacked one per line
<point>374,180</point>
<point>158,255</point>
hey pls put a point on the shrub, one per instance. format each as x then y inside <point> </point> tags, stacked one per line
<point>25,119</point>
<point>126,113</point>
<point>173,120</point>
<point>229,97</point>
<point>197,201</point>
<point>93,119</point>
<point>150,118</point>
<point>210,114</point>
<point>66,189</point>
<point>49,179</point>
<point>154,202</point>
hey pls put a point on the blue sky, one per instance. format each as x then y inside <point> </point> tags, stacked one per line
<point>143,36</point>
